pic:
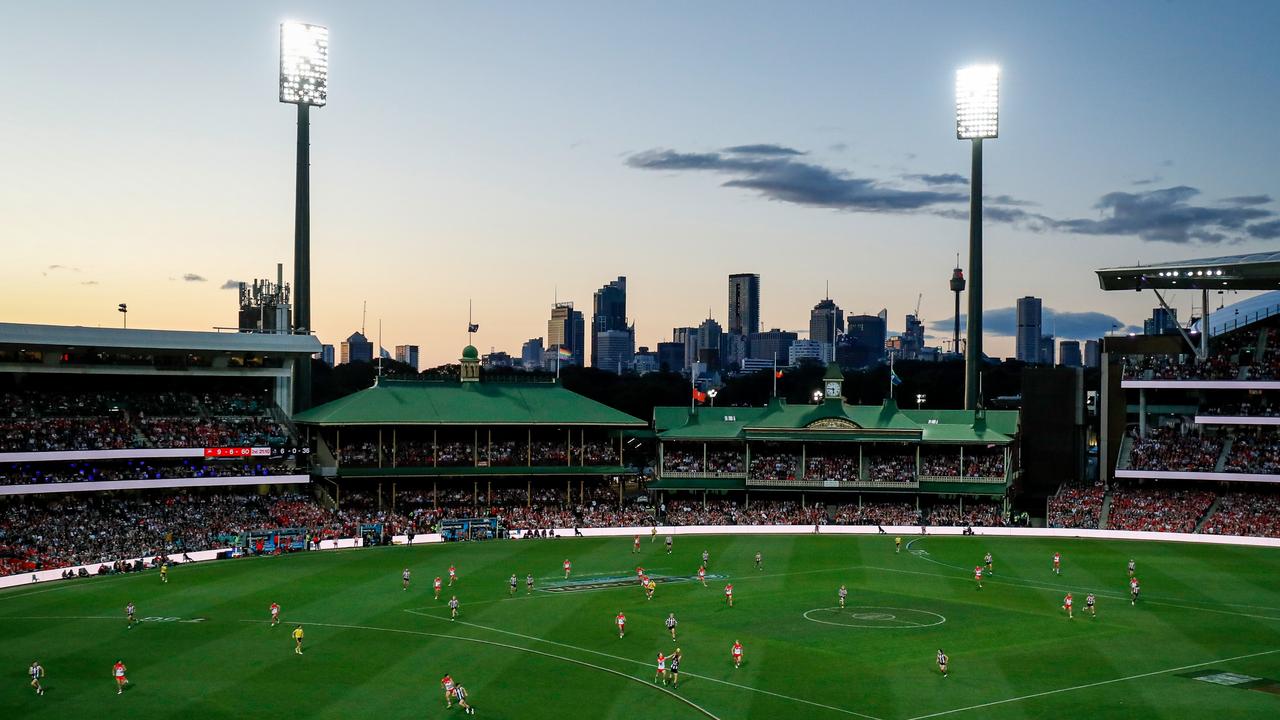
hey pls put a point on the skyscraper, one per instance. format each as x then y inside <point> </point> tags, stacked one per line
<point>688,337</point>
<point>826,323</point>
<point>1027,340</point>
<point>1162,322</point>
<point>357,348</point>
<point>614,350</point>
<point>565,329</point>
<point>1092,356</point>
<point>1069,353</point>
<point>744,303</point>
<point>531,354</point>
<point>609,314</point>
<point>772,344</point>
<point>671,357</point>
<point>710,339</point>
<point>407,354</point>
<point>1046,350</point>
<point>866,336</point>
<point>326,354</point>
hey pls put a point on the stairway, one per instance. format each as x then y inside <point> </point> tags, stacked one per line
<point>1106,511</point>
<point>1226,453</point>
<point>1208,514</point>
<point>1126,447</point>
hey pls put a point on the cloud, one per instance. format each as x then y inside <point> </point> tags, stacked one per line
<point>68,268</point>
<point>1148,181</point>
<point>1062,324</point>
<point>1165,215</point>
<point>192,277</point>
<point>939,179</point>
<point>89,282</point>
<point>765,149</point>
<point>1248,200</point>
<point>1265,231</point>
<point>802,183</point>
<point>1007,200</point>
<point>230,285</point>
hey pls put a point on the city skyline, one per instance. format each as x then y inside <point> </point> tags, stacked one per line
<point>783,157</point>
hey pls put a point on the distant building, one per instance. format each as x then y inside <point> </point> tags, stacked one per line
<point>1027,339</point>
<point>497,359</point>
<point>826,323</point>
<point>1162,322</point>
<point>710,346</point>
<point>407,354</point>
<point>671,357</point>
<point>1092,354</point>
<point>645,361</point>
<point>1069,353</point>
<point>609,314</point>
<point>356,348</point>
<point>613,350</point>
<point>326,355</point>
<point>771,344</point>
<point>912,338</point>
<point>802,350</point>
<point>531,354</point>
<point>744,304</point>
<point>751,365</point>
<point>565,329</point>
<point>864,341</point>
<point>1046,350</point>
<point>688,337</point>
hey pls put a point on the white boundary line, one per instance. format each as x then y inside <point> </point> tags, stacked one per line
<point>1094,684</point>
<point>643,682</point>
<point>907,623</point>
<point>638,662</point>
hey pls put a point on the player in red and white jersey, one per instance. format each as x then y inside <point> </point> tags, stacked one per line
<point>635,545</point>
<point>1057,563</point>
<point>117,671</point>
<point>842,593</point>
<point>736,652</point>
<point>1066,605</point>
<point>662,667</point>
<point>275,614</point>
<point>702,576</point>
<point>728,593</point>
<point>639,571</point>
<point>567,567</point>
<point>977,575</point>
<point>621,620</point>
<point>437,584</point>
<point>453,575</point>
<point>446,682</point>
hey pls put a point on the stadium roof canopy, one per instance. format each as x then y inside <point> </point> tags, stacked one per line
<point>75,336</point>
<point>1254,271</point>
<point>412,402</point>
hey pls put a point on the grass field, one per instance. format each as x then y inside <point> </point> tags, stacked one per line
<point>374,650</point>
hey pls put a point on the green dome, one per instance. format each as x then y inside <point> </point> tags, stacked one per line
<point>470,353</point>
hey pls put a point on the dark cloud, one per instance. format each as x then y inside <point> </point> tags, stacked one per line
<point>1248,200</point>
<point>939,179</point>
<point>797,182</point>
<point>89,282</point>
<point>1265,231</point>
<point>1165,215</point>
<point>230,285</point>
<point>765,149</point>
<point>69,268</point>
<point>1148,181</point>
<point>1007,200</point>
<point>1061,324</point>
<point>192,277</point>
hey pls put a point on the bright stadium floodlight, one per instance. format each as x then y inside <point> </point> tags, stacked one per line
<point>304,81</point>
<point>977,102</point>
<point>977,117</point>
<point>304,64</point>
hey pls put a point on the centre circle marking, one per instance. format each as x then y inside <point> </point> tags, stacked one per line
<point>877,618</point>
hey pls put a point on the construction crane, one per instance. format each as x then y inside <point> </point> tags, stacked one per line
<point>918,301</point>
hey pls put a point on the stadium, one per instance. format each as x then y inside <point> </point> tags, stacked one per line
<point>211,524</point>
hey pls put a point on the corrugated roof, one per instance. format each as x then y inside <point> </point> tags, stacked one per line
<point>62,336</point>
<point>406,402</point>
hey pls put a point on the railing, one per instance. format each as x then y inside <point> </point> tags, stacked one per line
<point>991,480</point>
<point>702,474</point>
<point>819,483</point>
<point>1239,321</point>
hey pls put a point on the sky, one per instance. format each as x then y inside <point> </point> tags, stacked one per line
<point>512,153</point>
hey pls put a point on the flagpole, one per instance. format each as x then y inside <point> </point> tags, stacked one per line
<point>775,373</point>
<point>891,377</point>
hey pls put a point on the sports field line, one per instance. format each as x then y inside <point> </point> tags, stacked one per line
<point>642,681</point>
<point>1033,585</point>
<point>1094,684</point>
<point>62,617</point>
<point>639,662</point>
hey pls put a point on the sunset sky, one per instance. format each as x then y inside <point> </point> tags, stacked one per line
<point>512,152</point>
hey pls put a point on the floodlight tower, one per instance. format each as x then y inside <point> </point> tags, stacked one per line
<point>304,81</point>
<point>977,117</point>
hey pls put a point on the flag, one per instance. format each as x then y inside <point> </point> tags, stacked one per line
<point>473,327</point>
<point>699,395</point>
<point>893,378</point>
<point>564,352</point>
<point>777,374</point>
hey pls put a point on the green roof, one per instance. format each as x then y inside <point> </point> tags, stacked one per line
<point>409,402</point>
<point>836,421</point>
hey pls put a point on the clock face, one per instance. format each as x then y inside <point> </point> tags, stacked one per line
<point>833,389</point>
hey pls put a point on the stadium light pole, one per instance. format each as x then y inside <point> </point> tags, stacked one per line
<point>977,117</point>
<point>304,81</point>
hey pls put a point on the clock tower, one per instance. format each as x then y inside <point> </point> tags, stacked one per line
<point>833,384</point>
